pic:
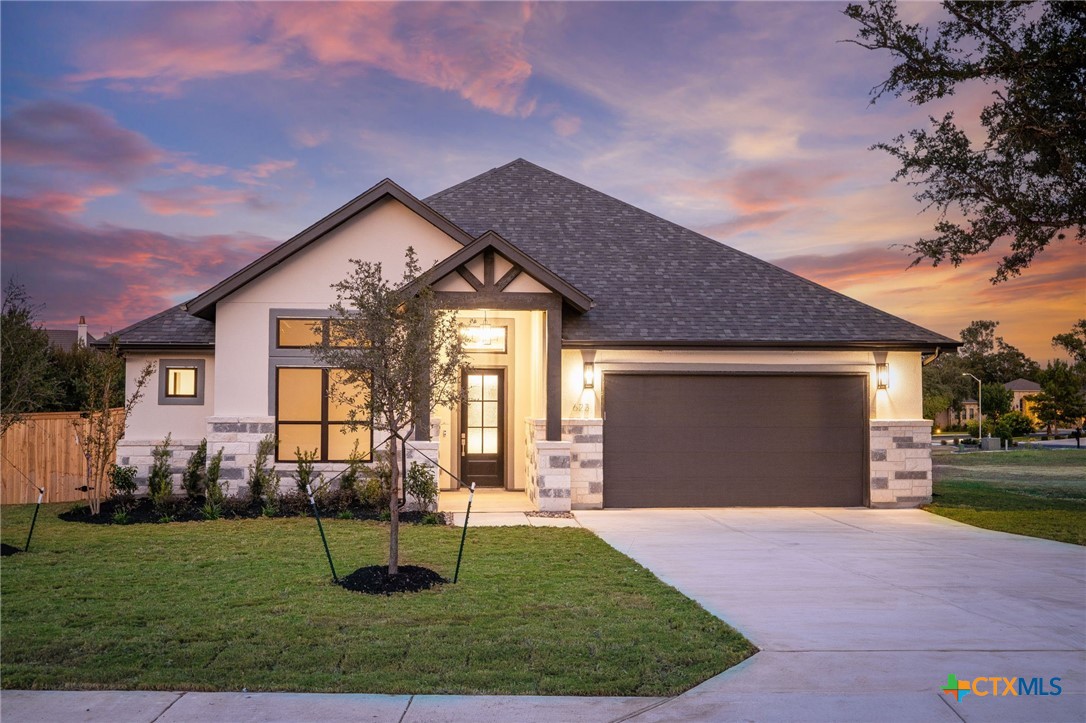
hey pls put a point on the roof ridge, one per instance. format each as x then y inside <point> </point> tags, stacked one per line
<point>484,174</point>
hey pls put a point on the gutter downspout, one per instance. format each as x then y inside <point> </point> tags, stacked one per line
<point>925,360</point>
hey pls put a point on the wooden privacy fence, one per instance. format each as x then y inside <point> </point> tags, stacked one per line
<point>43,451</point>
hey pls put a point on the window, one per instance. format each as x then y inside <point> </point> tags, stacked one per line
<point>309,418</point>
<point>181,381</point>
<point>301,333</point>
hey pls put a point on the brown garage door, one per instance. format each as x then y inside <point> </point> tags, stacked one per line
<point>688,440</point>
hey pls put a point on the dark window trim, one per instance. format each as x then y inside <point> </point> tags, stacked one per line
<point>324,422</point>
<point>197,399</point>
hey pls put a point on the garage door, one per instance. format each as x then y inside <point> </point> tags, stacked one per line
<point>687,440</point>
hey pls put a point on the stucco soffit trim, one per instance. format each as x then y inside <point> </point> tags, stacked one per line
<point>203,305</point>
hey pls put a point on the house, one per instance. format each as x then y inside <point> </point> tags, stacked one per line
<point>67,338</point>
<point>1024,390</point>
<point>620,360</point>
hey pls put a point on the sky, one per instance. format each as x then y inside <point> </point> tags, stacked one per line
<point>150,150</point>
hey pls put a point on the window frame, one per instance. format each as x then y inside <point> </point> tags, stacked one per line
<point>325,423</point>
<point>164,365</point>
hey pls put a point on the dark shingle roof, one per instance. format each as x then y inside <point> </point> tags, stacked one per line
<point>1022,385</point>
<point>653,281</point>
<point>65,338</point>
<point>172,328</point>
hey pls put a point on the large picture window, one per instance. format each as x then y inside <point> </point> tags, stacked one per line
<point>310,419</point>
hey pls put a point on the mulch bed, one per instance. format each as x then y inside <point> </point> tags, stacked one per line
<point>562,515</point>
<point>375,580</point>
<point>140,510</point>
<point>6,549</point>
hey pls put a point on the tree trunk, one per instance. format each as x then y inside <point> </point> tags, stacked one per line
<point>394,507</point>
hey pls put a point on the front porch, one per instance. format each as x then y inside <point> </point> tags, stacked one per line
<point>486,500</point>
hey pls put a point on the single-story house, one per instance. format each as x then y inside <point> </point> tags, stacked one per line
<point>67,338</point>
<point>619,359</point>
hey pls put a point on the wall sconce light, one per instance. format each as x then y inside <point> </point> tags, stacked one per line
<point>882,375</point>
<point>589,375</point>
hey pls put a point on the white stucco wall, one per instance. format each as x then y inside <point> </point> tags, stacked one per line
<point>151,420</point>
<point>902,400</point>
<point>379,234</point>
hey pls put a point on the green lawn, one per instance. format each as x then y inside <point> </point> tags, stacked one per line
<point>227,605</point>
<point>1039,493</point>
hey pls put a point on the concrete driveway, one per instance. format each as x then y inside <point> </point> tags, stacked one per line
<point>862,614</point>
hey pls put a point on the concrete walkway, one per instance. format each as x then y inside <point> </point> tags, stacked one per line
<point>860,616</point>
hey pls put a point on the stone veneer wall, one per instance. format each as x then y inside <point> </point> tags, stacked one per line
<point>900,463</point>
<point>239,437</point>
<point>547,470</point>
<point>585,461</point>
<point>137,453</point>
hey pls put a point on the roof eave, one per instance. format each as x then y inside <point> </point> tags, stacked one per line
<point>828,345</point>
<point>203,306</point>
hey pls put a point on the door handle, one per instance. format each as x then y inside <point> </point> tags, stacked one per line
<point>463,443</point>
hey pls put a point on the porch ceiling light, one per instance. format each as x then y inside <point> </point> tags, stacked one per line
<point>589,375</point>
<point>882,375</point>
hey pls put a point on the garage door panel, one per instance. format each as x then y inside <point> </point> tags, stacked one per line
<point>720,440</point>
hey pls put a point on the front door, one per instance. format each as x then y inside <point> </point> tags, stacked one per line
<point>482,428</point>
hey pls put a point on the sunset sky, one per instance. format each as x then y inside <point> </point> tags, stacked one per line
<point>152,149</point>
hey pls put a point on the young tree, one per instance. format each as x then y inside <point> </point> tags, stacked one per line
<point>1061,400</point>
<point>97,430</point>
<point>27,384</point>
<point>1024,181</point>
<point>405,352</point>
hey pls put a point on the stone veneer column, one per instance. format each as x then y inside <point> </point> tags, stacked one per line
<point>547,469</point>
<point>586,462</point>
<point>900,462</point>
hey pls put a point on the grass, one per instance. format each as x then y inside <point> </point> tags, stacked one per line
<point>1038,493</point>
<point>227,605</point>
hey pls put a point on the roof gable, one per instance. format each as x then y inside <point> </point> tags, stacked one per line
<point>204,305</point>
<point>490,244</point>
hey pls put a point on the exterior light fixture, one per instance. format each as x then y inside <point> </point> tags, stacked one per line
<point>882,375</point>
<point>589,375</point>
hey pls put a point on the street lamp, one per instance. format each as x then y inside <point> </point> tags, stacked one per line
<point>980,409</point>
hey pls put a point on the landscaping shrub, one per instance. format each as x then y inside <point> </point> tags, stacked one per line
<point>420,484</point>
<point>1019,424</point>
<point>306,476</point>
<point>263,479</point>
<point>192,479</point>
<point>160,480</point>
<point>212,488</point>
<point>122,481</point>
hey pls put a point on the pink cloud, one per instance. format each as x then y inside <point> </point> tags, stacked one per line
<point>743,223</point>
<point>255,175</point>
<point>566,125</point>
<point>113,275</point>
<point>201,201</point>
<point>475,51</point>
<point>76,138</point>
<point>1032,308</point>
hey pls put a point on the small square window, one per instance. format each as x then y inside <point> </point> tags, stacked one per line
<point>181,381</point>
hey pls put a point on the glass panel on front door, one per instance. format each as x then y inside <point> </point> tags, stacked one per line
<point>481,433</point>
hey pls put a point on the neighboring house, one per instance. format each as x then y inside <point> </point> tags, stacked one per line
<point>1024,390</point>
<point>67,338</point>
<point>620,360</point>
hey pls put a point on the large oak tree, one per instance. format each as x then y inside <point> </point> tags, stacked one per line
<point>1025,180</point>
